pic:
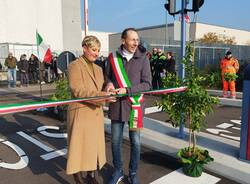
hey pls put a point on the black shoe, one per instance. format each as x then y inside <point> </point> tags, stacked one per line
<point>90,180</point>
<point>77,178</point>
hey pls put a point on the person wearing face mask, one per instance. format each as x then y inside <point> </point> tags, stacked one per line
<point>86,141</point>
<point>127,72</point>
<point>229,65</point>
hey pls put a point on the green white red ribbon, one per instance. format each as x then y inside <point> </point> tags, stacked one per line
<point>27,106</point>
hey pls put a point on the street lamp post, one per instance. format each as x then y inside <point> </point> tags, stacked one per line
<point>183,52</point>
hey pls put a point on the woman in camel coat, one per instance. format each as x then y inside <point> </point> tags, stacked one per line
<point>86,144</point>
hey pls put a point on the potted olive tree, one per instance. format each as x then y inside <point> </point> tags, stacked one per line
<point>191,105</point>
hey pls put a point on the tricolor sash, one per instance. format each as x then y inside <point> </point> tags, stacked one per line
<point>135,119</point>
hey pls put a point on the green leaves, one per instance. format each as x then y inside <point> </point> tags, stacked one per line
<point>188,155</point>
<point>192,104</point>
<point>230,77</point>
<point>193,160</point>
<point>62,91</point>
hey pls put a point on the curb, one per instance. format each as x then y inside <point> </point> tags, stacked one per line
<point>162,137</point>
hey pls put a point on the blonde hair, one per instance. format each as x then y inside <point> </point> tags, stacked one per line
<point>91,41</point>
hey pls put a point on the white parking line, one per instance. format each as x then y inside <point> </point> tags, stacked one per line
<point>217,131</point>
<point>236,121</point>
<point>43,131</point>
<point>178,176</point>
<point>224,125</point>
<point>231,137</point>
<point>154,109</point>
<point>54,154</point>
<point>22,163</point>
<point>236,128</point>
<point>36,142</point>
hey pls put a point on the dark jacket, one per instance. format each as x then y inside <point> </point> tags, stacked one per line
<point>33,65</point>
<point>153,61</point>
<point>23,66</point>
<point>170,65</point>
<point>139,74</point>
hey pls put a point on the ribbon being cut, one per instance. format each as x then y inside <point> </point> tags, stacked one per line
<point>27,106</point>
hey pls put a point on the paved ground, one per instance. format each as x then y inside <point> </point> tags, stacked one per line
<point>225,121</point>
<point>21,129</point>
<point>46,159</point>
<point>33,92</point>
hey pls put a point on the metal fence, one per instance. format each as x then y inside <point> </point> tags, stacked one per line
<point>206,55</point>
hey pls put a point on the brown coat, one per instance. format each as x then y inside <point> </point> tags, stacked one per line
<point>86,142</point>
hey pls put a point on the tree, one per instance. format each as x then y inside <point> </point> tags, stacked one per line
<point>192,105</point>
<point>214,38</point>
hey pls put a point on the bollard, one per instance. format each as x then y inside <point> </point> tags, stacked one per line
<point>245,118</point>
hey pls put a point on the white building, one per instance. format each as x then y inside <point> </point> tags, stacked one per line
<point>242,37</point>
<point>58,22</point>
<point>164,35</point>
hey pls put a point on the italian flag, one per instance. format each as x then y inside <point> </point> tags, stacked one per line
<point>44,51</point>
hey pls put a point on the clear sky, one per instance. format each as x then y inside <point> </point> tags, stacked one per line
<point>115,15</point>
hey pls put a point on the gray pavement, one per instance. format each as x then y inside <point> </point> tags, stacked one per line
<point>40,154</point>
<point>22,94</point>
<point>157,137</point>
<point>225,121</point>
<point>162,137</point>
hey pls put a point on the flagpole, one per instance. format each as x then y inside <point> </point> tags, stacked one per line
<point>39,66</point>
<point>85,17</point>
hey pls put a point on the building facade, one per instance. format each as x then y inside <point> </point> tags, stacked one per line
<point>104,39</point>
<point>57,21</point>
<point>168,38</point>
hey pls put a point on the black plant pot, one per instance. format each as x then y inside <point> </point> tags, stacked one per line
<point>62,114</point>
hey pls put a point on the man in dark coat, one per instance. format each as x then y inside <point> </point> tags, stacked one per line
<point>153,61</point>
<point>23,67</point>
<point>135,65</point>
<point>33,65</point>
<point>170,63</point>
<point>158,69</point>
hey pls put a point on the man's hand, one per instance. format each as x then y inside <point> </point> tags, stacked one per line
<point>121,91</point>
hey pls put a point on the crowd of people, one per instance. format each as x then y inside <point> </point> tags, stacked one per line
<point>160,65</point>
<point>31,70</point>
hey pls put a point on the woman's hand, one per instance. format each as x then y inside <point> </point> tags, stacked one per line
<point>111,99</point>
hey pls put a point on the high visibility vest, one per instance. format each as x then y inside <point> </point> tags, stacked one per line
<point>229,66</point>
